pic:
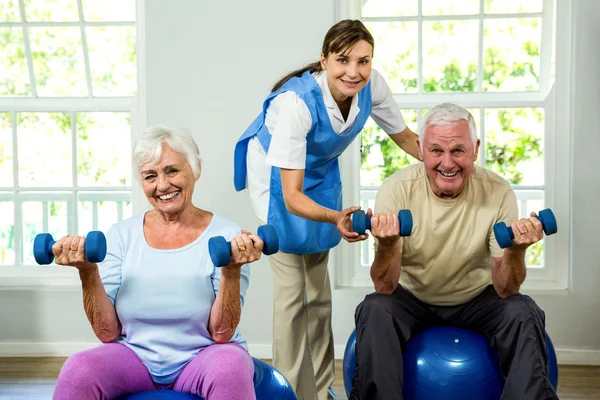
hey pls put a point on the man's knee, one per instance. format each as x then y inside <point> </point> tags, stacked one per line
<point>374,306</point>
<point>521,308</point>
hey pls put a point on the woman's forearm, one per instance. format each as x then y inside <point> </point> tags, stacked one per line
<point>226,311</point>
<point>301,205</point>
<point>98,308</point>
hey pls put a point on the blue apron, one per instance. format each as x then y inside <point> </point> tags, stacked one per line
<point>322,181</point>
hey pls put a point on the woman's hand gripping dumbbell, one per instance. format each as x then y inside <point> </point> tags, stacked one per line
<point>529,230</point>
<point>265,240</point>
<point>76,251</point>
<point>361,222</point>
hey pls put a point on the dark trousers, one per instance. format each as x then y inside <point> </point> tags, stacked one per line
<point>514,326</point>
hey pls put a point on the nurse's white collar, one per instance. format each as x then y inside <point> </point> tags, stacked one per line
<point>328,99</point>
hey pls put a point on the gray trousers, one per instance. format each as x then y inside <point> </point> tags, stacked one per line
<point>514,326</point>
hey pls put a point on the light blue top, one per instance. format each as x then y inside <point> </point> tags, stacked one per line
<point>163,297</point>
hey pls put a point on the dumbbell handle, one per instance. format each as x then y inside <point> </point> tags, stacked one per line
<point>95,247</point>
<point>504,233</point>
<point>361,223</point>
<point>220,249</point>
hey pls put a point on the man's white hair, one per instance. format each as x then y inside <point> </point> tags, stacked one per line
<point>148,148</point>
<point>444,114</point>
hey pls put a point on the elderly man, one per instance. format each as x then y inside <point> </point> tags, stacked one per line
<point>450,271</point>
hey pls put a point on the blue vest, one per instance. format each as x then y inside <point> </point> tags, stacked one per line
<point>322,181</point>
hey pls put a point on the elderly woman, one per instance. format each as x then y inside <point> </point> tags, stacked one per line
<point>167,317</point>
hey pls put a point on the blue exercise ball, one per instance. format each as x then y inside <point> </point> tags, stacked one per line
<point>269,384</point>
<point>448,363</point>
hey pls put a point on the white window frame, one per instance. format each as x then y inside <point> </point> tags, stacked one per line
<point>21,276</point>
<point>555,99</point>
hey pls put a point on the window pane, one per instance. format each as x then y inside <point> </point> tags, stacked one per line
<point>51,10</point>
<point>45,149</point>
<point>33,214</point>
<point>389,8</point>
<point>103,149</point>
<point>450,7</point>
<point>512,6</point>
<point>6,151</point>
<point>396,55</point>
<point>112,60</point>
<point>100,215</point>
<point>380,157</point>
<point>511,55</point>
<point>7,232</point>
<point>58,61</point>
<point>109,10</point>
<point>450,56</point>
<point>532,201</point>
<point>514,144</point>
<point>14,78</point>
<point>9,11</point>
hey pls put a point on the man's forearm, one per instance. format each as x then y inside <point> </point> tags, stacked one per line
<point>385,271</point>
<point>510,273</point>
<point>98,308</point>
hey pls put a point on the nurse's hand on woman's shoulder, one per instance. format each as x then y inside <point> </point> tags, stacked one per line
<point>245,249</point>
<point>344,224</point>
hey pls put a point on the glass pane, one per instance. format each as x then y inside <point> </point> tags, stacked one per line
<point>103,149</point>
<point>450,7</point>
<point>389,8</point>
<point>105,213</point>
<point>33,218</point>
<point>532,201</point>
<point>14,75</point>
<point>109,10</point>
<point>45,149</point>
<point>512,6</point>
<point>9,11</point>
<point>380,157</point>
<point>511,58</point>
<point>58,61</point>
<point>112,60</point>
<point>514,144</point>
<point>7,232</point>
<point>51,10</point>
<point>450,56</point>
<point>6,151</point>
<point>396,55</point>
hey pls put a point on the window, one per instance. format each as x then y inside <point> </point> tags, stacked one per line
<point>67,81</point>
<point>497,59</point>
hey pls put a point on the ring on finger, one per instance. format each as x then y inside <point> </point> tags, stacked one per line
<point>243,247</point>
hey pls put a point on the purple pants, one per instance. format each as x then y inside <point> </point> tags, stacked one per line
<point>219,372</point>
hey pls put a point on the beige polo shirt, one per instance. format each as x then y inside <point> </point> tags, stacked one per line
<point>446,260</point>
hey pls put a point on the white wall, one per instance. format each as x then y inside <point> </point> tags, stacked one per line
<point>209,66</point>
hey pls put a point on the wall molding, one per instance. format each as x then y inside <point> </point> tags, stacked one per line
<point>65,349</point>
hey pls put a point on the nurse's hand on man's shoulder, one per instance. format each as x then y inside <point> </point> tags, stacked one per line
<point>344,224</point>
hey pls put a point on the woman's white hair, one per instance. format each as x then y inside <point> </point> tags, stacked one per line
<point>444,114</point>
<point>148,148</point>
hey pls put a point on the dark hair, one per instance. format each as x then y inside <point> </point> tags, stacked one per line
<point>340,37</point>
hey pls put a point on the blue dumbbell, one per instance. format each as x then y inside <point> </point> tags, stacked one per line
<point>95,247</point>
<point>504,233</point>
<point>220,249</point>
<point>360,222</point>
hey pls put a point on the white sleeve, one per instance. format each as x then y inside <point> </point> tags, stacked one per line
<point>289,121</point>
<point>385,111</point>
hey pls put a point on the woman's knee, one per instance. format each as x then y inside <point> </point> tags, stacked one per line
<point>231,361</point>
